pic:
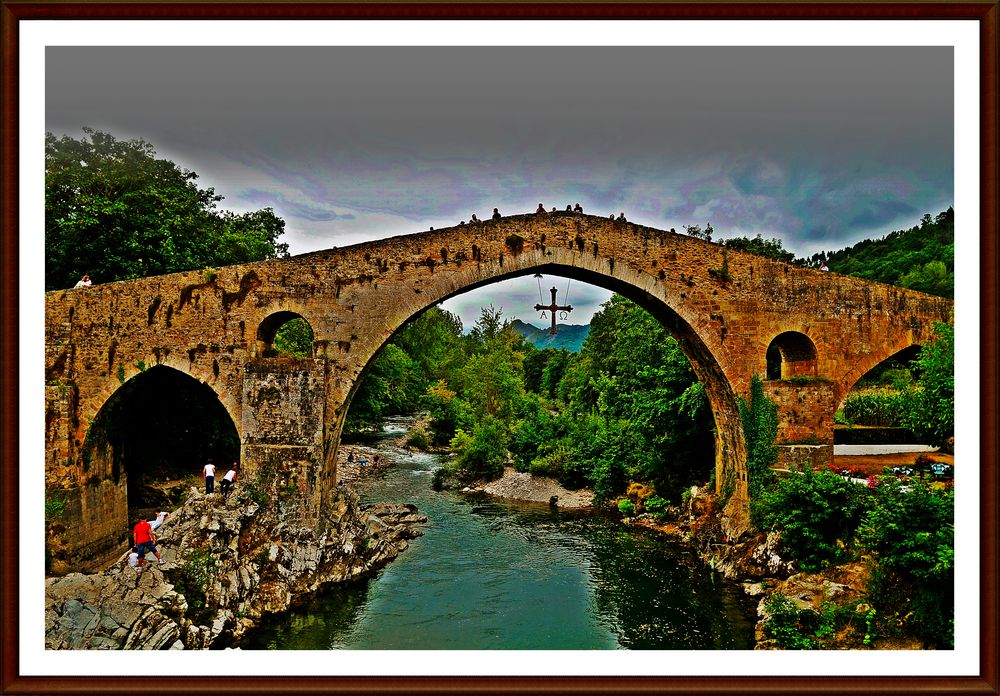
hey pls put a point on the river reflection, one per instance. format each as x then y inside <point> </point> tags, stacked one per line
<point>490,574</point>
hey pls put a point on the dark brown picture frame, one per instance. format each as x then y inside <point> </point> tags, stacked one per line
<point>13,12</point>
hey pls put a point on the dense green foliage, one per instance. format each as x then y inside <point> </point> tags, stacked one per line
<point>627,407</point>
<point>772,248</point>
<point>877,407</point>
<point>815,512</point>
<point>403,371</point>
<point>114,211</point>
<point>931,412</point>
<point>911,531</point>
<point>294,338</point>
<point>920,258</point>
<point>908,529</point>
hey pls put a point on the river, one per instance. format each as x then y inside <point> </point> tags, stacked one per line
<point>496,574</point>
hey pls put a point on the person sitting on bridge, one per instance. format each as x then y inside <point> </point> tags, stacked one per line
<point>540,210</point>
<point>226,484</point>
<point>144,543</point>
<point>553,209</point>
<point>578,208</point>
<point>569,208</point>
<point>474,220</point>
<point>496,214</point>
<point>621,217</point>
<point>84,282</point>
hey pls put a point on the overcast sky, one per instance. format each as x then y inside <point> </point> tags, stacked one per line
<point>819,146</point>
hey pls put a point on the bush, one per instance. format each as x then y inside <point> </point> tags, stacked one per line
<point>931,414</point>
<point>656,504</point>
<point>481,455</point>
<point>196,568</point>
<point>626,507</point>
<point>911,531</point>
<point>817,514</point>
<point>783,623</point>
<point>418,439</point>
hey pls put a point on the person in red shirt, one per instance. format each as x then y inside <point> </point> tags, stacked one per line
<point>144,543</point>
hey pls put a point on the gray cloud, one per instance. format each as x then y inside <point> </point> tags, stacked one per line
<point>821,146</point>
<point>287,207</point>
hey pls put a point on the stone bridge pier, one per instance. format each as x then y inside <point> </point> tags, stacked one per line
<point>736,315</point>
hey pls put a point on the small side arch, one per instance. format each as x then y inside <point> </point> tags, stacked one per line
<point>288,328</point>
<point>791,354</point>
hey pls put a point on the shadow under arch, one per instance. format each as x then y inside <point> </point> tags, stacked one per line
<point>161,425</point>
<point>730,446</point>
<point>791,354</point>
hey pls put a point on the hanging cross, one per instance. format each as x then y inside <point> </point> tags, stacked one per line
<point>553,308</point>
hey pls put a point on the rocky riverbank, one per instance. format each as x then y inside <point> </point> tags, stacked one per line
<point>517,485</point>
<point>227,564</point>
<point>756,562</point>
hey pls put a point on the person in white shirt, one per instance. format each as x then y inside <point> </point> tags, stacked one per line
<point>84,282</point>
<point>160,516</point>
<point>209,474</point>
<point>226,484</point>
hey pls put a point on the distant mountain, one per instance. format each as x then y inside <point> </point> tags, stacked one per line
<point>568,336</point>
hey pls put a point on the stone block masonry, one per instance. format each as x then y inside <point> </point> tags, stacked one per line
<point>726,308</point>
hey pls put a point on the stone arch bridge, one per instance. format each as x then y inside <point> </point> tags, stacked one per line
<point>728,309</point>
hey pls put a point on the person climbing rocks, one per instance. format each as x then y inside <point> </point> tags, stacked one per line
<point>158,522</point>
<point>145,542</point>
<point>209,473</point>
<point>226,484</point>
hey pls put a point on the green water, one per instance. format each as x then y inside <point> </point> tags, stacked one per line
<point>491,574</point>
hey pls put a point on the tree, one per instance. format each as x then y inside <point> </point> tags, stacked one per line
<point>294,338</point>
<point>115,211</point>
<point>771,248</point>
<point>698,233</point>
<point>390,387</point>
<point>931,412</point>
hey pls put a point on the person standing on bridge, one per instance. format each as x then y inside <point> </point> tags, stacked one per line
<point>209,473</point>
